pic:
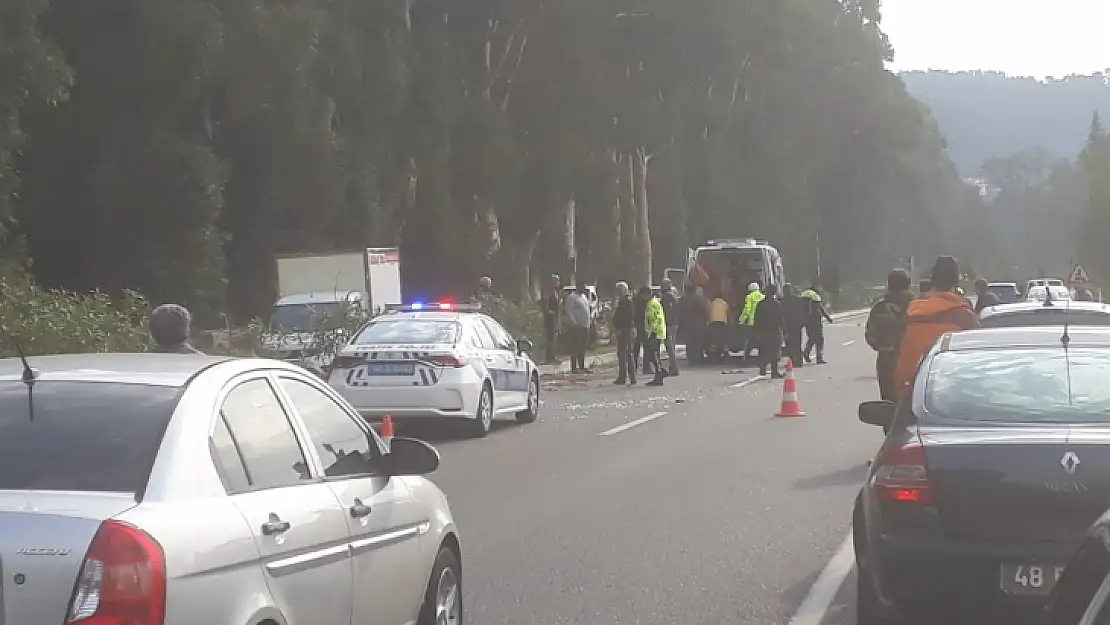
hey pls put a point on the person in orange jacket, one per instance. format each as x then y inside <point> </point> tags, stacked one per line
<point>941,311</point>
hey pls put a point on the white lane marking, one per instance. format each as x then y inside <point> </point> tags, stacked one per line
<point>744,383</point>
<point>821,594</point>
<point>631,424</point>
<point>846,343</point>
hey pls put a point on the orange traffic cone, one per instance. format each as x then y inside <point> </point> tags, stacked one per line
<point>386,432</point>
<point>791,407</point>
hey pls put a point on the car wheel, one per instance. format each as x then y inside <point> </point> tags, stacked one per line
<point>529,415</point>
<point>869,611</point>
<point>443,603</point>
<point>483,419</point>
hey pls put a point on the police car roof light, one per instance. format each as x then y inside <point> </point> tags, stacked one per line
<point>445,306</point>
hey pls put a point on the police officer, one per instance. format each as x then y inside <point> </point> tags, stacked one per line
<point>747,317</point>
<point>815,329</point>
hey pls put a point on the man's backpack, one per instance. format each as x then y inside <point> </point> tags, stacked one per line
<point>885,326</point>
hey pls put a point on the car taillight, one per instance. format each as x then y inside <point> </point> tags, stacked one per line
<point>448,360</point>
<point>903,475</point>
<point>122,580</point>
<point>346,362</point>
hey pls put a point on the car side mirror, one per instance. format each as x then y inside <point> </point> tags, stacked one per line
<point>880,413</point>
<point>523,346</point>
<point>408,456</point>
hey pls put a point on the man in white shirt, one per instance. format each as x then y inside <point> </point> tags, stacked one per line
<point>576,307</point>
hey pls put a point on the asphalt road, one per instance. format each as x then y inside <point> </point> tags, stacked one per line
<point>689,504</point>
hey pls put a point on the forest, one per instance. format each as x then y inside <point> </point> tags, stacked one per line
<point>174,147</point>
<point>986,115</point>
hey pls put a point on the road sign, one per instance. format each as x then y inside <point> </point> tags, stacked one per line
<point>1079,275</point>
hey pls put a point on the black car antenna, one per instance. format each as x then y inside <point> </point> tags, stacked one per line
<point>30,374</point>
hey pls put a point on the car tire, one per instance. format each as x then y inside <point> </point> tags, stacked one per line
<point>869,610</point>
<point>529,415</point>
<point>483,418</point>
<point>446,575</point>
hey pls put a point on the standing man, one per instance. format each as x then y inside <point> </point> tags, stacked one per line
<point>550,305</point>
<point>815,329</point>
<point>747,318</point>
<point>639,344</point>
<point>669,300</point>
<point>170,326</point>
<point>695,316</point>
<point>984,298</point>
<point>624,328</point>
<point>941,311</point>
<point>655,331</point>
<point>577,309</point>
<point>795,311</point>
<point>885,326</point>
<point>769,326</point>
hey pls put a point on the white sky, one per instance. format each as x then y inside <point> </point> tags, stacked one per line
<point>1020,37</point>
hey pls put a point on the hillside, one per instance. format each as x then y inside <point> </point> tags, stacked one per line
<point>987,114</point>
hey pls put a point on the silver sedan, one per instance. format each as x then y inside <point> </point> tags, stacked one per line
<point>175,489</point>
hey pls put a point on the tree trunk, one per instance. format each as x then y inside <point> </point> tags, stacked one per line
<point>639,162</point>
<point>628,221</point>
<point>514,261</point>
<point>570,247</point>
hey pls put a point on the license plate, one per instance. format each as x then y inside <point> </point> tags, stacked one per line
<point>390,368</point>
<point>1030,578</point>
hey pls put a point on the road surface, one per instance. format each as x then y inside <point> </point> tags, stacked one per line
<point>688,504</point>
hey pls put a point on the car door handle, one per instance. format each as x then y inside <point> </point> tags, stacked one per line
<point>275,526</point>
<point>359,509</point>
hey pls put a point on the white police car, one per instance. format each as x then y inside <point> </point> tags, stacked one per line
<point>438,361</point>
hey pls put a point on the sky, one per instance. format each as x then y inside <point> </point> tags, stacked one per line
<point>1019,37</point>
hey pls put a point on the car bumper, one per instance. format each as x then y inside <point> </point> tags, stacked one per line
<point>937,579</point>
<point>443,401</point>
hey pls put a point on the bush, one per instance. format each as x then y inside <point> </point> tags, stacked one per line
<point>54,322</point>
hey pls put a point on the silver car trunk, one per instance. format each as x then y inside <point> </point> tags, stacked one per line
<point>43,540</point>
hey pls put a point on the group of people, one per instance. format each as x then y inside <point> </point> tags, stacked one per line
<point>766,319</point>
<point>902,326</point>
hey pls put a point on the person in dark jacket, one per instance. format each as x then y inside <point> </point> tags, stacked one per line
<point>552,304</point>
<point>624,329</point>
<point>668,297</point>
<point>815,329</point>
<point>169,327</point>
<point>984,298</point>
<point>885,326</point>
<point>795,311</point>
<point>768,326</point>
<point>639,345</point>
<point>694,316</point>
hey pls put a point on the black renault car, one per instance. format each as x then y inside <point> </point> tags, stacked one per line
<point>994,467</point>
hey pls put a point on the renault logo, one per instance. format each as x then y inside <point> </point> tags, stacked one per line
<point>1070,462</point>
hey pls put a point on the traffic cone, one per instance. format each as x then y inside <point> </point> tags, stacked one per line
<point>791,407</point>
<point>386,432</point>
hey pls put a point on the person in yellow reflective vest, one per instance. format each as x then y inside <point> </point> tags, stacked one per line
<point>815,329</point>
<point>655,332</point>
<point>747,317</point>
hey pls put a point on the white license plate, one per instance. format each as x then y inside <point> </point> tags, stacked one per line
<point>390,368</point>
<point>1030,578</point>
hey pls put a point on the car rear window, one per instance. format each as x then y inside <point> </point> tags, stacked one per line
<point>1042,317</point>
<point>84,436</point>
<point>1020,385</point>
<point>403,331</point>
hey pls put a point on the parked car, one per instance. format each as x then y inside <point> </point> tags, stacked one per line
<point>176,490</point>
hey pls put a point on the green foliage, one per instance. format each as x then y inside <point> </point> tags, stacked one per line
<point>52,322</point>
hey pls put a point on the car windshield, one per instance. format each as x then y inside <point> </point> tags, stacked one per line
<point>85,436</point>
<point>403,331</point>
<point>1020,385</point>
<point>1051,316</point>
<point>1007,293</point>
<point>305,317</point>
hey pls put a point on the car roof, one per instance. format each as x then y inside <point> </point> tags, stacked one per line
<point>1025,336</point>
<point>1013,284</point>
<point>149,369</point>
<point>1028,306</point>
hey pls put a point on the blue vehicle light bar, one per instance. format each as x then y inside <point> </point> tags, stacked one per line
<point>433,307</point>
